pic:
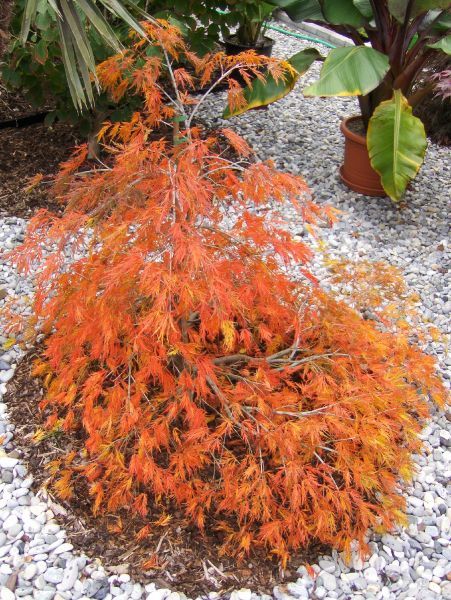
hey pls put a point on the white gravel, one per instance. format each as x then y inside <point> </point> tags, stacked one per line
<point>413,563</point>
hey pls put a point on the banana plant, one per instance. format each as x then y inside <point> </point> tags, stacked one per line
<point>73,18</point>
<point>392,43</point>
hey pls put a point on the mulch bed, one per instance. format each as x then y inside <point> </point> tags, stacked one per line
<point>186,560</point>
<point>13,105</point>
<point>25,152</point>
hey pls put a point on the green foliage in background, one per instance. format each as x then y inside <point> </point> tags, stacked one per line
<point>37,69</point>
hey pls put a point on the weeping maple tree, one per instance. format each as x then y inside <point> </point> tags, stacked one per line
<point>187,342</point>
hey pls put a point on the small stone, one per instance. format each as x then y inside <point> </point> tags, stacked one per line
<point>30,571</point>
<point>45,595</point>
<point>327,565</point>
<point>6,462</point>
<point>6,376</point>
<point>349,577</point>
<point>6,594</point>
<point>432,531</point>
<point>53,575</point>
<point>7,477</point>
<point>445,438</point>
<point>329,581</point>
<point>434,587</point>
<point>160,594</point>
<point>370,575</point>
<point>297,589</point>
<point>66,547</point>
<point>243,594</point>
<point>69,577</point>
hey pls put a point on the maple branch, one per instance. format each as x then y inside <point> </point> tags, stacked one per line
<point>274,358</point>
<point>304,413</point>
<point>324,463</point>
<point>208,92</point>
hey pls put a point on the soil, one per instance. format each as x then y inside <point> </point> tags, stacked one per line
<point>14,105</point>
<point>186,559</point>
<point>356,126</point>
<point>25,152</point>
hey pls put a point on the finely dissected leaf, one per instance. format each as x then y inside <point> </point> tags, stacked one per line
<point>269,90</point>
<point>194,371</point>
<point>350,71</point>
<point>396,144</point>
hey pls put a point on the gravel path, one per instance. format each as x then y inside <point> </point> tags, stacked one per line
<point>413,563</point>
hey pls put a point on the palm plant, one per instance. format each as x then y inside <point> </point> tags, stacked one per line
<point>74,18</point>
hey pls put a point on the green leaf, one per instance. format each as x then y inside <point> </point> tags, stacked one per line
<point>443,24</point>
<point>343,13</point>
<point>40,52</point>
<point>301,10</point>
<point>364,6</point>
<point>269,91</point>
<point>29,15</point>
<point>117,8</point>
<point>396,144</point>
<point>398,8</point>
<point>350,71</point>
<point>96,18</point>
<point>444,44</point>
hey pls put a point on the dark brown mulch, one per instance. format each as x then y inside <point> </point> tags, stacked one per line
<point>187,560</point>
<point>13,105</point>
<point>25,152</point>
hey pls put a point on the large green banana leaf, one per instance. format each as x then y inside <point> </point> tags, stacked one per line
<point>364,7</point>
<point>78,58</point>
<point>266,92</point>
<point>301,10</point>
<point>350,71</point>
<point>396,144</point>
<point>398,8</point>
<point>344,12</point>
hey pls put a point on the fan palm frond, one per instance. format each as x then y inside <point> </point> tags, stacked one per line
<point>78,58</point>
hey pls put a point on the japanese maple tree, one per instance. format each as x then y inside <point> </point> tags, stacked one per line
<point>188,343</point>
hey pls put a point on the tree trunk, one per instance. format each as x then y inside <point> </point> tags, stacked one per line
<point>6,12</point>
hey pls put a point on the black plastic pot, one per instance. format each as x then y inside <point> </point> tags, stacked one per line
<point>233,46</point>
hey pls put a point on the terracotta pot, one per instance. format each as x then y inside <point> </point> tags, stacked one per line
<point>233,46</point>
<point>356,171</point>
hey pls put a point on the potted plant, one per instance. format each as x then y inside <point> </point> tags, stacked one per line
<point>393,40</point>
<point>252,17</point>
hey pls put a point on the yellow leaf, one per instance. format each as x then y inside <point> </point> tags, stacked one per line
<point>163,520</point>
<point>9,343</point>
<point>228,331</point>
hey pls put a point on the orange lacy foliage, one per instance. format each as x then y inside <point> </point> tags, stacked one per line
<point>195,368</point>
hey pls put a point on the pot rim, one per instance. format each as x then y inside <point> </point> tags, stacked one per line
<point>355,137</point>
<point>267,41</point>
